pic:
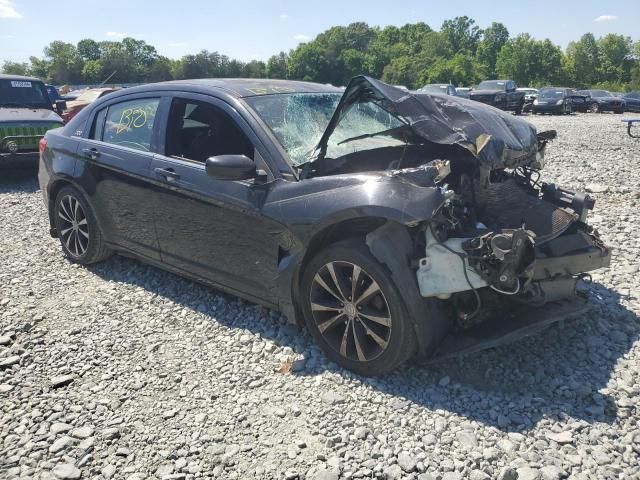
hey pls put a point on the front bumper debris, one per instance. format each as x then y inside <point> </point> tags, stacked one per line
<point>519,322</point>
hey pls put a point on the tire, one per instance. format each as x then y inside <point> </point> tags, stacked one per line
<point>347,335</point>
<point>80,236</point>
<point>594,108</point>
<point>619,112</point>
<point>518,110</point>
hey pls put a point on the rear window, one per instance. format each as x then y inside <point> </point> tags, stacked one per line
<point>23,94</point>
<point>130,124</point>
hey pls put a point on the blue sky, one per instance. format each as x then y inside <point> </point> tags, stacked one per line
<point>247,30</point>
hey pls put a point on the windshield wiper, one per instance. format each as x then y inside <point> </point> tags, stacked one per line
<point>369,135</point>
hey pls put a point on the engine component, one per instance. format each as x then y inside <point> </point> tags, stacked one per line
<point>442,271</point>
<point>577,201</point>
<point>502,258</point>
<point>508,205</point>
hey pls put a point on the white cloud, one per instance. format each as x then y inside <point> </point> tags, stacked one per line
<point>284,16</point>
<point>301,38</point>
<point>605,18</point>
<point>7,36</point>
<point>116,34</point>
<point>8,9</point>
<point>178,44</point>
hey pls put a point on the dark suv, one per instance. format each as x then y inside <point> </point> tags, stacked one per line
<point>26,113</point>
<point>501,94</point>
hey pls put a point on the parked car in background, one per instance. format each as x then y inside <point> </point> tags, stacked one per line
<point>530,95</point>
<point>463,91</point>
<point>346,210</point>
<point>556,100</point>
<point>54,95</point>
<point>87,97</point>
<point>72,95</point>
<point>501,94</point>
<point>26,113</point>
<point>632,101</point>
<point>603,101</point>
<point>443,88</point>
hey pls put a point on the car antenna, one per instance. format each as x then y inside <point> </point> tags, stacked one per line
<point>107,79</point>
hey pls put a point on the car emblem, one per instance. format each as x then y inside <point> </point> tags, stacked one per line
<point>12,146</point>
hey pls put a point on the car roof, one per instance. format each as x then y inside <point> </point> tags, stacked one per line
<point>243,87</point>
<point>4,76</point>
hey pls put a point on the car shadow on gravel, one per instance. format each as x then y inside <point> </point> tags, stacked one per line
<point>562,371</point>
<point>23,179</point>
<point>568,370</point>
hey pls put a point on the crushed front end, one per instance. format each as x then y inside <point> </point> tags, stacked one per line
<point>506,252</point>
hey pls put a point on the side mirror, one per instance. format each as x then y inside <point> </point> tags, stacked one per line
<point>230,167</point>
<point>61,106</point>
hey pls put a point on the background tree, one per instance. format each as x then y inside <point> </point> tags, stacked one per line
<point>493,39</point>
<point>15,68</point>
<point>462,33</point>
<point>412,55</point>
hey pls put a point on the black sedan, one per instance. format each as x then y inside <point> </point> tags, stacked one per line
<point>553,100</point>
<point>632,101</point>
<point>366,214</point>
<point>603,101</point>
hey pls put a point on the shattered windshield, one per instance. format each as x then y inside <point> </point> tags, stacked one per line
<point>298,120</point>
<point>363,127</point>
<point>23,94</point>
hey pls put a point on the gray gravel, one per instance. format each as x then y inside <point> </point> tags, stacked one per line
<point>122,371</point>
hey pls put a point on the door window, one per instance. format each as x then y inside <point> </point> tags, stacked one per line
<point>97,129</point>
<point>130,124</point>
<point>199,130</point>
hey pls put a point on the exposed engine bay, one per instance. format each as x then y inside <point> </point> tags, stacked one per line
<point>505,235</point>
<point>500,236</point>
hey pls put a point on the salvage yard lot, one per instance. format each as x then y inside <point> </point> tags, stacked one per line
<point>169,379</point>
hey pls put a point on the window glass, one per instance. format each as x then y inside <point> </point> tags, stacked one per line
<point>199,130</point>
<point>130,124</point>
<point>98,125</point>
<point>363,120</point>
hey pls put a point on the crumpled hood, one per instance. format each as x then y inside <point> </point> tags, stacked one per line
<point>496,139</point>
<point>19,115</point>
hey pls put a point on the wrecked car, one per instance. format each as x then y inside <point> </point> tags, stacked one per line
<point>392,224</point>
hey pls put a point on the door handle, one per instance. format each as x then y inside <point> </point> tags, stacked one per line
<point>92,153</point>
<point>169,174</point>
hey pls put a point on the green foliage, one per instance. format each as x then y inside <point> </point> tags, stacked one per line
<point>15,68</point>
<point>411,55</point>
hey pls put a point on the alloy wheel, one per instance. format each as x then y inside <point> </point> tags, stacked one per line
<point>74,230</point>
<point>350,311</point>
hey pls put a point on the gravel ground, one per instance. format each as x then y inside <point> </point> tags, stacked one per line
<point>124,371</point>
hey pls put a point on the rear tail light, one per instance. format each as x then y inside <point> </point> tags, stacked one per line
<point>42,145</point>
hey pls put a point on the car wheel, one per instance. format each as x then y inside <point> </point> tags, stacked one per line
<point>519,110</point>
<point>354,311</point>
<point>594,108</point>
<point>77,228</point>
<point>620,111</point>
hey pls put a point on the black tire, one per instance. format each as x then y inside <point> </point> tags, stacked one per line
<point>594,108</point>
<point>619,112</point>
<point>519,110</point>
<point>364,353</point>
<point>77,228</point>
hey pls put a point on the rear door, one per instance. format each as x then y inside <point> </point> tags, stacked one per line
<point>117,163</point>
